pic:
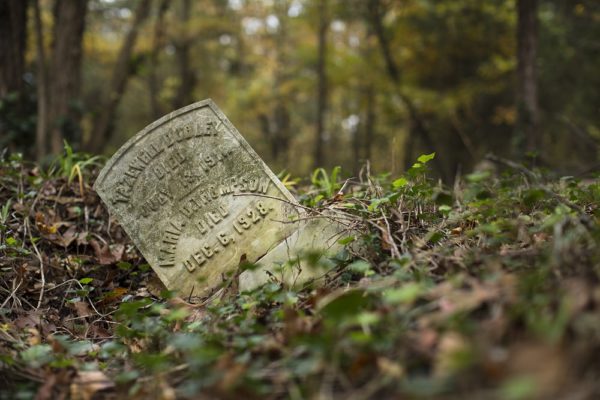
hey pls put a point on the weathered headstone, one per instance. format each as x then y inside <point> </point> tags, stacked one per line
<point>195,198</point>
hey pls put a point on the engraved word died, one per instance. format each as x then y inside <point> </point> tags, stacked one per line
<point>173,188</point>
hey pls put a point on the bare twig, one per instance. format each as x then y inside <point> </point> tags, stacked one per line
<point>12,294</point>
<point>395,252</point>
<point>514,165</point>
<point>40,259</point>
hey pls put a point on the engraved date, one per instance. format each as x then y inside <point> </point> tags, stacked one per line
<point>241,224</point>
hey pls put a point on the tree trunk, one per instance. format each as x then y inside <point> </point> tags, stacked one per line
<point>276,132</point>
<point>281,114</point>
<point>65,72</point>
<point>356,145</point>
<point>321,84</point>
<point>182,53</point>
<point>13,35</point>
<point>265,126</point>
<point>103,125</point>
<point>41,133</point>
<point>13,38</point>
<point>282,131</point>
<point>157,43</point>
<point>527,97</point>
<point>369,122</point>
<point>417,124</point>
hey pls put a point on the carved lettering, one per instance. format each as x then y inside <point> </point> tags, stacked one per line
<point>155,201</point>
<point>169,244</point>
<point>169,165</point>
<point>207,221</point>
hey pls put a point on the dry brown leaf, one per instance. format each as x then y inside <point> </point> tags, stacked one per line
<point>82,238</point>
<point>578,295</point>
<point>88,383</point>
<point>82,308</point>
<point>390,368</point>
<point>64,239</point>
<point>386,240</point>
<point>448,357</point>
<point>98,332</point>
<point>45,391</point>
<point>29,320</point>
<point>457,231</point>
<point>425,340</point>
<point>106,255</point>
<point>35,337</point>
<point>114,295</point>
<point>547,366</point>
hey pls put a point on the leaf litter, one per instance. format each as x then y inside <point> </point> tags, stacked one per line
<point>490,290</point>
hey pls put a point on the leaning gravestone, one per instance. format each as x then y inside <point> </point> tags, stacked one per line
<point>197,200</point>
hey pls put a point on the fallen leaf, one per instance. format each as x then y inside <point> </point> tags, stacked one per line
<point>64,239</point>
<point>45,227</point>
<point>114,295</point>
<point>390,368</point>
<point>82,308</point>
<point>28,320</point>
<point>88,383</point>
<point>82,238</point>
<point>450,354</point>
<point>45,391</point>
<point>105,255</point>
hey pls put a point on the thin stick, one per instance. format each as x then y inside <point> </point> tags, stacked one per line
<point>389,232</point>
<point>513,165</point>
<point>274,198</point>
<point>39,256</point>
<point>293,204</point>
<point>12,294</point>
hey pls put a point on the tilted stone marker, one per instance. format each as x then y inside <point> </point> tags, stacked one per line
<point>197,200</point>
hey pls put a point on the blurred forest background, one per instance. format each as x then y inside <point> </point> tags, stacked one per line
<point>312,82</point>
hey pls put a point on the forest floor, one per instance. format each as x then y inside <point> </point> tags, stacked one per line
<point>489,289</point>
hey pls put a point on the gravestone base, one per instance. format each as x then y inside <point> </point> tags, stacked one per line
<point>303,256</point>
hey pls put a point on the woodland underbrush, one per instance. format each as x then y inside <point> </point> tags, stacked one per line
<point>489,289</point>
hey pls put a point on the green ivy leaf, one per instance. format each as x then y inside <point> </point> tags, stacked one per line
<point>346,305</point>
<point>425,158</point>
<point>404,295</point>
<point>400,182</point>
<point>39,355</point>
<point>359,266</point>
<point>346,240</point>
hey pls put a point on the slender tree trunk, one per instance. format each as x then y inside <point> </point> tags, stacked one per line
<point>103,124</point>
<point>369,121</point>
<point>417,124</point>
<point>65,71</point>
<point>275,131</point>
<point>265,125</point>
<point>182,54</point>
<point>527,93</point>
<point>157,44</point>
<point>42,87</point>
<point>282,130</point>
<point>356,145</point>
<point>13,37</point>
<point>281,115</point>
<point>321,84</point>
